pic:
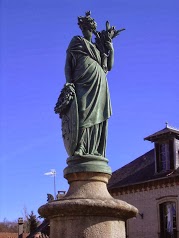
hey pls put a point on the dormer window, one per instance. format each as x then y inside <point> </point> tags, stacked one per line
<point>164,156</point>
<point>166,148</point>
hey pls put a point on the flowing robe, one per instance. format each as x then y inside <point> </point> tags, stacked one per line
<point>94,107</point>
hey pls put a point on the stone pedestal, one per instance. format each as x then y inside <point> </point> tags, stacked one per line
<point>87,210</point>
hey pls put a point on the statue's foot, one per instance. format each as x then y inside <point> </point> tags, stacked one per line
<point>96,153</point>
<point>78,152</point>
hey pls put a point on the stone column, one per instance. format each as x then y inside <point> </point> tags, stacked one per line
<point>87,210</point>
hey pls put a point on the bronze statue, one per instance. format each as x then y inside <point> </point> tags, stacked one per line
<point>84,104</point>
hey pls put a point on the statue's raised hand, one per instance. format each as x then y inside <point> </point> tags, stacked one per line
<point>109,45</point>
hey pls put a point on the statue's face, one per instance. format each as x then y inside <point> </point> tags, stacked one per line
<point>86,33</point>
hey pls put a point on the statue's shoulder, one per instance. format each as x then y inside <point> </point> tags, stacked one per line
<point>76,40</point>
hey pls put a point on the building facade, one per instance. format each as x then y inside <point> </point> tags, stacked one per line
<point>151,183</point>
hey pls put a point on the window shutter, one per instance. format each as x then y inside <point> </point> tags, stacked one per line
<point>162,225</point>
<point>157,156</point>
<point>171,154</point>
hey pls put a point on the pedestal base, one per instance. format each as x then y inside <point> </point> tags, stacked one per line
<point>87,210</point>
<point>87,163</point>
<point>87,227</point>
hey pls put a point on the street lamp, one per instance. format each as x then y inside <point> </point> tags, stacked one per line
<point>53,174</point>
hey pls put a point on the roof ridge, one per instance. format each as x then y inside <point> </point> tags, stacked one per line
<point>171,127</point>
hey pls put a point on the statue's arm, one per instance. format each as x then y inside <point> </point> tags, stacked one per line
<point>68,68</point>
<point>110,60</point>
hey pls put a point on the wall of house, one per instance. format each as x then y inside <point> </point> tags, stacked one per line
<point>148,203</point>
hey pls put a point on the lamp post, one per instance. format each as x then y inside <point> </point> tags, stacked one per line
<point>53,174</point>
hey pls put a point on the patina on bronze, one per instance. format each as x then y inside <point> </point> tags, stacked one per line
<point>87,210</point>
<point>67,108</point>
<point>84,103</point>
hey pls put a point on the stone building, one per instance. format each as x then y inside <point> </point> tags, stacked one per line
<point>151,183</point>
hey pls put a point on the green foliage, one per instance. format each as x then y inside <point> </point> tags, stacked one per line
<point>33,222</point>
<point>30,221</point>
<point>106,36</point>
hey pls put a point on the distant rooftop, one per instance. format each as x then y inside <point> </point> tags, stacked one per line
<point>168,130</point>
<point>11,235</point>
<point>140,170</point>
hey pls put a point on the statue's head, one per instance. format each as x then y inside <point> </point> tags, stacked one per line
<point>87,22</point>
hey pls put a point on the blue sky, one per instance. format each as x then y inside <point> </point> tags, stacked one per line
<point>143,85</point>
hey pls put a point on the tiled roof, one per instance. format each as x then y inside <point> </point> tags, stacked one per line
<point>11,235</point>
<point>138,171</point>
<point>167,130</point>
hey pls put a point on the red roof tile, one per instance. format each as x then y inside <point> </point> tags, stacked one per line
<point>11,235</point>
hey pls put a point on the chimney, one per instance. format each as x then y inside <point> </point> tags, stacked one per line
<point>61,194</point>
<point>20,227</point>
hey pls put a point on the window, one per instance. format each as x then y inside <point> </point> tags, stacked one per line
<point>168,220</point>
<point>164,156</point>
